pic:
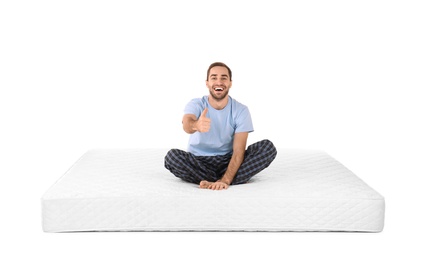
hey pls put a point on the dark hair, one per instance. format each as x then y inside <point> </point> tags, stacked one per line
<point>219,64</point>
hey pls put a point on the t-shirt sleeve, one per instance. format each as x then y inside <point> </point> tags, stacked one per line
<point>244,121</point>
<point>194,107</point>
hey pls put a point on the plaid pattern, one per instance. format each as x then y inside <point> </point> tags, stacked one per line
<point>195,169</point>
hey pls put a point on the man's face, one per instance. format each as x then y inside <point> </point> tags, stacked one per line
<point>218,82</point>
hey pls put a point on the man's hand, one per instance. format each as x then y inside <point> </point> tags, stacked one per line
<point>218,185</point>
<point>204,123</point>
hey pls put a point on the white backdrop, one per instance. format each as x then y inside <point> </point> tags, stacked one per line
<point>341,76</point>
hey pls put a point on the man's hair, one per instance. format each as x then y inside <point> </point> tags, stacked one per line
<point>219,64</point>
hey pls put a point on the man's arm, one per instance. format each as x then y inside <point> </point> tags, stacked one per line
<point>191,124</point>
<point>239,146</point>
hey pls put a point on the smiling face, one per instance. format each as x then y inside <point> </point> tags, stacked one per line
<point>219,83</point>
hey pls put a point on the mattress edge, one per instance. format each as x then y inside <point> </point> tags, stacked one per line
<point>64,174</point>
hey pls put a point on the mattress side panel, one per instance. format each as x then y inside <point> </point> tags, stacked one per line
<point>237,214</point>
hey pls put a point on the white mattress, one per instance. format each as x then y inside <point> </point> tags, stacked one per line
<point>130,190</point>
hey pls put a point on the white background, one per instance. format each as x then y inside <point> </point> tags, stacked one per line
<point>340,76</point>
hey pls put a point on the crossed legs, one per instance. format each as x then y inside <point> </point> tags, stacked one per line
<point>203,170</point>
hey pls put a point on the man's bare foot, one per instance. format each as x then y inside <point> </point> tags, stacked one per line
<point>218,185</point>
<point>205,184</point>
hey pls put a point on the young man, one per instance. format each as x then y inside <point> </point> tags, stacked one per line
<point>218,126</point>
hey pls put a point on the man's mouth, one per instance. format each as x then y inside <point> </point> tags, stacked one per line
<point>218,89</point>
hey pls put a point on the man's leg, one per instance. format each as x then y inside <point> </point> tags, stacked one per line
<point>187,167</point>
<point>258,156</point>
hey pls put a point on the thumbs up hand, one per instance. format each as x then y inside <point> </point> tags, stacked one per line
<point>204,123</point>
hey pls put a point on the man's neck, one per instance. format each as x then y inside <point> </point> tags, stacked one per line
<point>218,104</point>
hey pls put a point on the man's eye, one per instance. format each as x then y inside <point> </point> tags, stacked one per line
<point>213,78</point>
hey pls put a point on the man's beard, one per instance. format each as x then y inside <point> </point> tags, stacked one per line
<point>221,97</point>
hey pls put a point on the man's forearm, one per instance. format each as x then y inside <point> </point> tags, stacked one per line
<point>232,169</point>
<point>189,126</point>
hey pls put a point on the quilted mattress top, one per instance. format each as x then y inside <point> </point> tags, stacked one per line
<point>104,173</point>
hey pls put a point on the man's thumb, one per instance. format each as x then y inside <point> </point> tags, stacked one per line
<point>204,113</point>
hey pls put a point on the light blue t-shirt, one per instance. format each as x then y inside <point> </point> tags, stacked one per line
<point>234,118</point>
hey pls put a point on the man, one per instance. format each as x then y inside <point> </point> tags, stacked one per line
<point>218,126</point>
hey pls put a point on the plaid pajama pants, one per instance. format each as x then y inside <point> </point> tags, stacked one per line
<point>195,169</point>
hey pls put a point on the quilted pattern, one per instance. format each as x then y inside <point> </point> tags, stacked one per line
<point>129,189</point>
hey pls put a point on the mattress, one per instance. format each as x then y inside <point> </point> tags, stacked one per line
<point>130,190</point>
